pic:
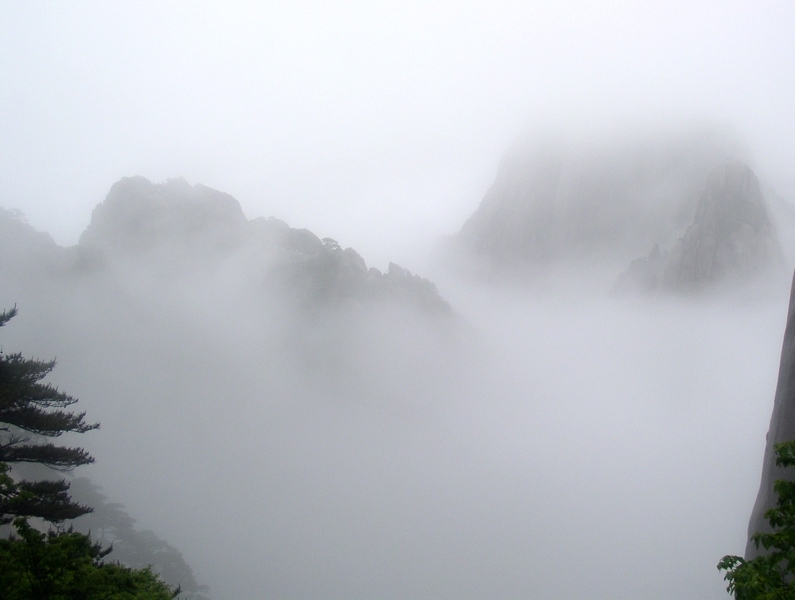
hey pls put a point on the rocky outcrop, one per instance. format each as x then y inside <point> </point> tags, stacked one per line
<point>644,274</point>
<point>138,217</point>
<point>731,238</point>
<point>782,429</point>
<point>555,202</point>
<point>731,234</point>
<point>520,217</point>
<point>173,231</point>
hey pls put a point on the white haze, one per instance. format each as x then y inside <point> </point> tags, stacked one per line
<point>554,446</point>
<point>560,444</point>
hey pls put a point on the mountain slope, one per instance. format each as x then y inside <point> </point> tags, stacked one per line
<point>731,238</point>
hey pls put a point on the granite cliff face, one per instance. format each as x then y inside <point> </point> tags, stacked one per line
<point>552,203</point>
<point>699,209</point>
<point>731,234</point>
<point>782,429</point>
<point>731,238</point>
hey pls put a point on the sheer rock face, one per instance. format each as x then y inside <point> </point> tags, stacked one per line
<point>551,203</point>
<point>517,217</point>
<point>731,234</point>
<point>782,429</point>
<point>731,238</point>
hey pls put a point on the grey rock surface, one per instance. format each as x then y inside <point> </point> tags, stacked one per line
<point>174,231</point>
<point>731,238</point>
<point>782,429</point>
<point>557,202</point>
<point>138,216</point>
<point>731,234</point>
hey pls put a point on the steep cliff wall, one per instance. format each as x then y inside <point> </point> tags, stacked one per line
<point>782,428</point>
<point>553,202</point>
<point>731,238</point>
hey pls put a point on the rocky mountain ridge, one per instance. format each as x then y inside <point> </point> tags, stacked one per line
<point>172,294</point>
<point>172,229</point>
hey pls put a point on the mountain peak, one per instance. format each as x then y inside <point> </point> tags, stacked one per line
<point>731,237</point>
<point>137,216</point>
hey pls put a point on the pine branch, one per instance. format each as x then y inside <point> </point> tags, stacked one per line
<point>56,457</point>
<point>7,315</point>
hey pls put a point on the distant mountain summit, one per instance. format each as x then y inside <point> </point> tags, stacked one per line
<point>138,216</point>
<point>731,233</point>
<point>174,230</point>
<point>731,237</point>
<point>688,198</point>
<point>553,201</point>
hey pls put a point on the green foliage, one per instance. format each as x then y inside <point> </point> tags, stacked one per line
<point>61,564</point>
<point>770,576</point>
<point>31,410</point>
<point>67,565</point>
<point>110,525</point>
<point>48,500</point>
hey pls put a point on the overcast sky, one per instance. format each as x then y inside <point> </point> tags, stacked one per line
<point>378,124</point>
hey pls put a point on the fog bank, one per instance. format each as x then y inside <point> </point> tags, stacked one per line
<point>563,447</point>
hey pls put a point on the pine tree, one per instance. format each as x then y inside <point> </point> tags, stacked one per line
<point>31,412</point>
<point>61,563</point>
